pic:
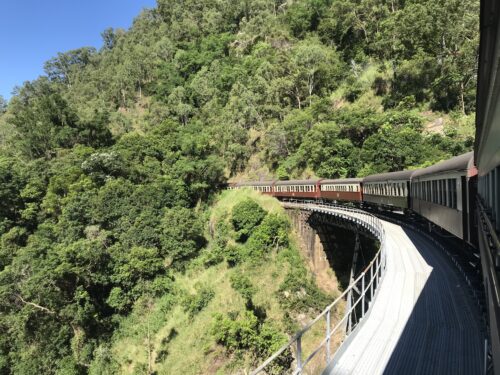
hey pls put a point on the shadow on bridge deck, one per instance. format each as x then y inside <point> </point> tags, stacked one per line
<point>424,320</point>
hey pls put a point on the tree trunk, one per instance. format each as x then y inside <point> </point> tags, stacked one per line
<point>462,100</point>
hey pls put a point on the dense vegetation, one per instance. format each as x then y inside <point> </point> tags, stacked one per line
<point>109,162</point>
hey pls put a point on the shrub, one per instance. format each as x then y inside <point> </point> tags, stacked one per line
<point>240,333</point>
<point>242,285</point>
<point>298,293</point>
<point>271,234</point>
<point>194,303</point>
<point>212,257</point>
<point>233,255</point>
<point>246,215</point>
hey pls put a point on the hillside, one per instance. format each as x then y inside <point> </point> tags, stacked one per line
<point>111,163</point>
<point>231,308</point>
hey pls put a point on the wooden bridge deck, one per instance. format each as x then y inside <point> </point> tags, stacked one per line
<point>423,320</point>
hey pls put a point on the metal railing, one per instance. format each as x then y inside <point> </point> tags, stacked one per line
<point>489,245</point>
<point>365,284</point>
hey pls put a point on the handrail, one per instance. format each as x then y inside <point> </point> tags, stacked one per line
<point>376,269</point>
<point>494,249</point>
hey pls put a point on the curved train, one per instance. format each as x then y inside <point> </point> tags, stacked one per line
<point>442,193</point>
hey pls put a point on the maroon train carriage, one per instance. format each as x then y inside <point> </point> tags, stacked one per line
<point>265,187</point>
<point>297,189</point>
<point>346,189</point>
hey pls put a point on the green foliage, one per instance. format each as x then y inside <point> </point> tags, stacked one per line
<point>233,255</point>
<point>181,234</point>
<point>245,217</point>
<point>270,235</point>
<point>243,332</point>
<point>194,303</point>
<point>242,285</point>
<point>298,293</point>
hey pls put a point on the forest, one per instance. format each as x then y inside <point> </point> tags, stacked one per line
<point>113,161</point>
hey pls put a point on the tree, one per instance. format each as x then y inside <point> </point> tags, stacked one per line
<point>328,154</point>
<point>314,68</point>
<point>245,217</point>
<point>3,105</point>
<point>181,235</point>
<point>66,66</point>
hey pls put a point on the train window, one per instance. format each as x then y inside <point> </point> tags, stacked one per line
<point>439,192</point>
<point>445,190</point>
<point>454,193</point>
<point>448,193</point>
<point>445,193</point>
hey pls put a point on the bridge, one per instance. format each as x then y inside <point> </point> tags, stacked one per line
<point>417,312</point>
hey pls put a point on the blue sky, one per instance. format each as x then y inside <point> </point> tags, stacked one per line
<point>33,31</point>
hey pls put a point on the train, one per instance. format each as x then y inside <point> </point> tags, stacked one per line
<point>487,160</point>
<point>443,193</point>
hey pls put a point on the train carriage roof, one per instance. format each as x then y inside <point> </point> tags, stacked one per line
<point>255,183</point>
<point>297,182</point>
<point>457,163</point>
<point>390,176</point>
<point>342,181</point>
<point>488,89</point>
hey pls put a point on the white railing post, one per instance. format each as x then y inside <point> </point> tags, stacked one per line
<point>328,334</point>
<point>371,283</point>
<point>363,296</point>
<point>299,354</point>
